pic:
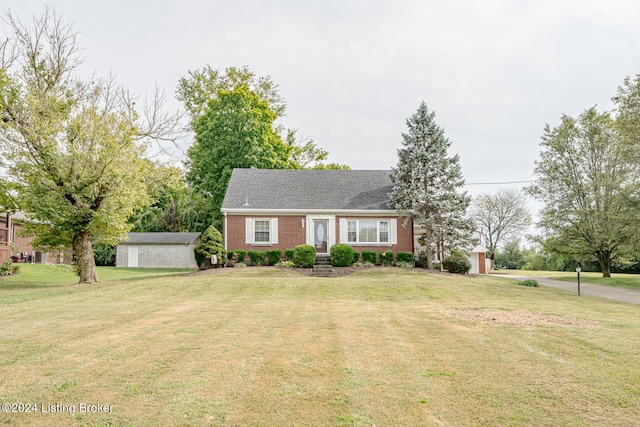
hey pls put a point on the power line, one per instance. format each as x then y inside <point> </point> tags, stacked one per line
<point>499,182</point>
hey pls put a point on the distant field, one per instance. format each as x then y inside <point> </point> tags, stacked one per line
<point>628,281</point>
<point>265,347</point>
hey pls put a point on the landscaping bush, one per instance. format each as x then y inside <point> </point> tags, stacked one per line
<point>241,254</point>
<point>457,263</point>
<point>257,257</point>
<point>273,256</point>
<point>529,282</point>
<point>386,258</point>
<point>369,256</point>
<point>341,255</point>
<point>211,244</point>
<point>199,257</point>
<point>8,268</point>
<point>285,264</point>
<point>404,264</point>
<point>437,265</point>
<point>304,256</point>
<point>422,260</point>
<point>105,255</point>
<point>356,257</point>
<point>405,257</point>
<point>288,254</point>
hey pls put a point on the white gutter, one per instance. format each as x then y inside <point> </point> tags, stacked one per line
<point>311,211</point>
<point>225,230</point>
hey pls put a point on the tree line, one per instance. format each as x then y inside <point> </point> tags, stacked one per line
<point>75,157</point>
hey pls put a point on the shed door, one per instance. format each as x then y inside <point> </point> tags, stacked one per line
<point>133,256</point>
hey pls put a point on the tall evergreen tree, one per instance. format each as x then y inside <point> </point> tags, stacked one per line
<point>427,183</point>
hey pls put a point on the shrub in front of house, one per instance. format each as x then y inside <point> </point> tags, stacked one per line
<point>406,257</point>
<point>239,252</point>
<point>369,256</point>
<point>257,257</point>
<point>304,256</point>
<point>341,255</point>
<point>422,259</point>
<point>285,264</point>
<point>273,256</point>
<point>288,254</point>
<point>386,258</point>
<point>356,257</point>
<point>457,263</point>
<point>211,245</point>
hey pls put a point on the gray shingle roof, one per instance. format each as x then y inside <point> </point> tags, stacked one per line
<point>161,238</point>
<point>308,189</point>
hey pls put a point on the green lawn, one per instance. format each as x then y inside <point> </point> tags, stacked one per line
<point>265,346</point>
<point>628,281</point>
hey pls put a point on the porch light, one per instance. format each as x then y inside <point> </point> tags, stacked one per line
<point>302,222</point>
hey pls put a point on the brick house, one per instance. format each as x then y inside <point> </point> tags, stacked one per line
<point>281,209</point>
<point>5,242</point>
<point>13,244</point>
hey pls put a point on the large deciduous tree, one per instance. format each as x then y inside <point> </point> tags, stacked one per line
<point>427,183</point>
<point>501,216</point>
<point>588,179</point>
<point>200,87</point>
<point>235,132</point>
<point>72,150</point>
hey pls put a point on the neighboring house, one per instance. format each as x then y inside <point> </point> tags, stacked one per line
<point>18,248</point>
<point>5,248</point>
<point>158,250</point>
<point>281,209</point>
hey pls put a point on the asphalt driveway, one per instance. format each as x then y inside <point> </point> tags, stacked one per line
<point>619,294</point>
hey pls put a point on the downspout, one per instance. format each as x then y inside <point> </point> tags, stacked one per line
<point>225,231</point>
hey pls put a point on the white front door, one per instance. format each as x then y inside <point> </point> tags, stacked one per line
<point>133,256</point>
<point>321,235</point>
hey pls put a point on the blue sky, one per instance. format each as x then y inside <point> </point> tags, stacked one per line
<point>353,71</point>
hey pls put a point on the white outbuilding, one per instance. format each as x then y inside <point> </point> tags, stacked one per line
<point>158,250</point>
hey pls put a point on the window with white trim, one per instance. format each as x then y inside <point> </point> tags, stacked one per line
<point>367,231</point>
<point>261,231</point>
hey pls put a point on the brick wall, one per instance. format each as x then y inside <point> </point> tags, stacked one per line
<point>291,234</point>
<point>405,236</point>
<point>4,239</point>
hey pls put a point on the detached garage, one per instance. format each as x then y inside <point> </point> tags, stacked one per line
<point>158,250</point>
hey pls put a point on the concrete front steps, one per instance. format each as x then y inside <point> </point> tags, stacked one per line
<point>322,266</point>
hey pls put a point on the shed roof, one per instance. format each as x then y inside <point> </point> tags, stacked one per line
<point>161,238</point>
<point>284,189</point>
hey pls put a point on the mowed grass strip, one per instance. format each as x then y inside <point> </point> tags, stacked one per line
<point>265,346</point>
<point>619,280</point>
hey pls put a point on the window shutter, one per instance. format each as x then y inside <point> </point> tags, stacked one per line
<point>248,230</point>
<point>274,230</point>
<point>343,230</point>
<point>393,231</point>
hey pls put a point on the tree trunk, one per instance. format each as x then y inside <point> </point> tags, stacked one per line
<point>86,264</point>
<point>492,258</point>
<point>605,263</point>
